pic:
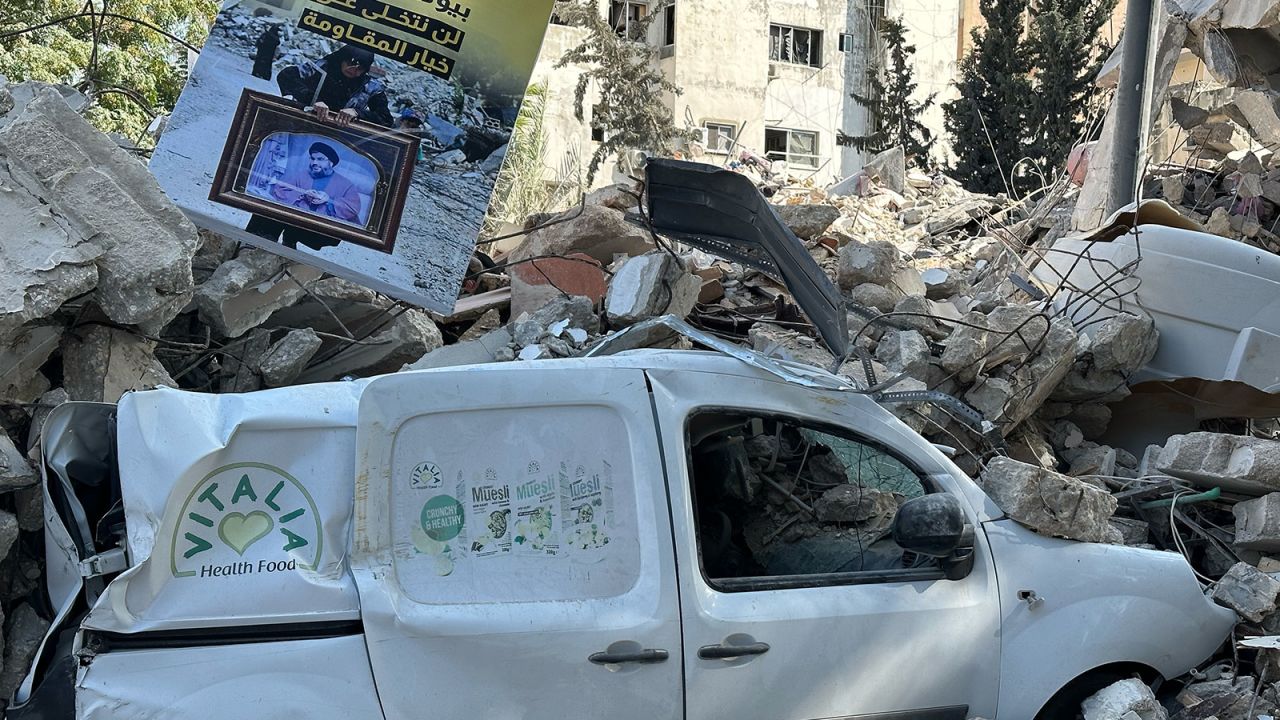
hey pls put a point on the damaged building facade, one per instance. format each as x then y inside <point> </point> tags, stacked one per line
<point>773,78</point>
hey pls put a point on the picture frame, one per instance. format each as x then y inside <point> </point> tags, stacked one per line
<point>266,169</point>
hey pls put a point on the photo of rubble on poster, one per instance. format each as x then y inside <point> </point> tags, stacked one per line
<point>314,182</point>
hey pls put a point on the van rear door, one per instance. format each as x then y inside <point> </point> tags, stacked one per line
<point>512,545</point>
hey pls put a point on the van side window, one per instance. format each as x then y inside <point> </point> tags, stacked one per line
<point>775,497</point>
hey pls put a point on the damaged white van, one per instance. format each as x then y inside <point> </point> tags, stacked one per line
<point>651,535</point>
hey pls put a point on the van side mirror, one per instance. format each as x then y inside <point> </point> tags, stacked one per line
<point>935,525</point>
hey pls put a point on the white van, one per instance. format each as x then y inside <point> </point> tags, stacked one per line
<point>653,535</point>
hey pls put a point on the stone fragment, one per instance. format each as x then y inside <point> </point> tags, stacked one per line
<point>1092,419</point>
<point>848,503</point>
<point>595,230</point>
<point>873,262</point>
<point>21,357</point>
<point>1219,222</point>
<point>99,191</point>
<point>1048,502</point>
<point>405,340</point>
<point>535,283</point>
<point>1173,189</point>
<point>15,471</point>
<point>1235,463</point>
<point>288,357</point>
<point>1258,523</point>
<point>981,342</point>
<point>1132,532</point>
<point>1121,700</point>
<point>46,404</point>
<point>486,324</point>
<point>874,296</point>
<point>1098,460</point>
<point>1259,109</point>
<point>621,197</point>
<point>240,367</point>
<point>904,351</point>
<point>101,363</point>
<point>1064,434</point>
<point>1247,590</point>
<point>890,168</point>
<point>916,311</point>
<point>23,635</point>
<point>242,293</point>
<point>577,310</point>
<point>481,350</point>
<point>648,286</point>
<point>942,283</point>
<point>8,532</point>
<point>990,396</point>
<point>28,504</point>
<point>808,221</point>
<point>789,345</point>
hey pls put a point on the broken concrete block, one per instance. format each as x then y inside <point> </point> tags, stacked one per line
<point>862,506</point>
<point>1247,590</point>
<point>595,230</point>
<point>101,363</point>
<point>942,283</point>
<point>890,168</point>
<point>405,340</point>
<point>808,221</point>
<point>621,197</point>
<point>1260,110</point>
<point>1124,343</point>
<point>648,286</point>
<point>8,532</point>
<point>789,345</point>
<point>904,351</point>
<point>873,262</point>
<point>23,635</point>
<point>1098,460</point>
<point>242,293</point>
<point>1258,523</point>
<point>535,283</point>
<point>15,471</point>
<point>980,342</point>
<point>286,359</point>
<point>1119,700</point>
<point>28,505</point>
<point>1092,419</point>
<point>21,357</point>
<point>874,296</point>
<point>1049,502</point>
<point>99,191</point>
<point>990,396</point>
<point>1132,532</point>
<point>485,349</point>
<point>240,372</point>
<point>1236,463</point>
<point>44,406</point>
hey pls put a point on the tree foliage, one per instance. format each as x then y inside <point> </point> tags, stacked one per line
<point>896,114</point>
<point>1067,54</point>
<point>987,122</point>
<point>631,110</point>
<point>116,52</point>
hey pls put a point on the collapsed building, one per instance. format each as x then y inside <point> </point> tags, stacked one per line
<point>1115,386</point>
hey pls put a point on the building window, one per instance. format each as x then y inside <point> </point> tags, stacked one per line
<point>846,42</point>
<point>719,137</point>
<point>669,26</point>
<point>795,45</point>
<point>625,17</point>
<point>597,133</point>
<point>798,147</point>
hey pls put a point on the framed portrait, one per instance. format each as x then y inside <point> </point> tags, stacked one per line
<point>284,164</point>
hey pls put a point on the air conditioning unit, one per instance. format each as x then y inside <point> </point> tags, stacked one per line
<point>702,135</point>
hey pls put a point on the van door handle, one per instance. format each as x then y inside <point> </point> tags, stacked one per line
<point>728,652</point>
<point>640,656</point>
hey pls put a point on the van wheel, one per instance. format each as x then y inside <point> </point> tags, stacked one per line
<point>1065,704</point>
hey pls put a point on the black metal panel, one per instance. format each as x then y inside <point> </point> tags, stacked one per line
<point>722,212</point>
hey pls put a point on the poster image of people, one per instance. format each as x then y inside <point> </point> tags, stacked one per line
<point>314,184</point>
<point>302,117</point>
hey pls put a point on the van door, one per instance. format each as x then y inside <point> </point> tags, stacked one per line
<point>512,545</point>
<point>796,604</point>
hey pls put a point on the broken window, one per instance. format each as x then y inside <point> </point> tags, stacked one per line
<point>798,147</point>
<point>625,17</point>
<point>719,137</point>
<point>795,45</point>
<point>779,498</point>
<point>846,42</point>
<point>669,26</point>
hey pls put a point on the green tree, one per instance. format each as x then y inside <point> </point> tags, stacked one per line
<point>987,123</point>
<point>896,114</point>
<point>1067,53</point>
<point>128,56</point>
<point>631,111</point>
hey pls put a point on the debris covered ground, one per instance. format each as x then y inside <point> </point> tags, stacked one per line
<point>112,290</point>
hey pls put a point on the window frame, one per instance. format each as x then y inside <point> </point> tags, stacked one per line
<point>621,23</point>
<point>766,583</point>
<point>846,42</point>
<point>669,26</point>
<point>733,136</point>
<point>788,154</point>
<point>815,39</point>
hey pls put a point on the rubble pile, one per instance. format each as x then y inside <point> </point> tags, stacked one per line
<point>113,291</point>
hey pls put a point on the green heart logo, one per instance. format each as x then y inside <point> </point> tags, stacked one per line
<point>240,531</point>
